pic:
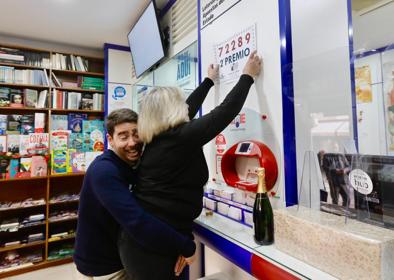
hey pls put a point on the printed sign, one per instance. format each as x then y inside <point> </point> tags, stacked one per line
<point>220,142</point>
<point>360,181</point>
<point>119,96</point>
<point>232,54</point>
<point>212,9</point>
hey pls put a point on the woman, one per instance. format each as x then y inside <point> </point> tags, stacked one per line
<point>173,169</point>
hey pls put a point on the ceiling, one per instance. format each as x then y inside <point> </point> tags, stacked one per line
<point>85,23</point>
<point>358,5</point>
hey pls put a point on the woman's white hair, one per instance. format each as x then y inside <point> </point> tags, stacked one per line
<point>161,109</point>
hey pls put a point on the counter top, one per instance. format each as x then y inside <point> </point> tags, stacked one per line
<point>242,236</point>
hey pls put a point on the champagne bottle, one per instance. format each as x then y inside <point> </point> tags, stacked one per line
<point>263,217</point>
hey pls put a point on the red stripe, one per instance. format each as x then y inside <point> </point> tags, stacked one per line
<point>264,270</point>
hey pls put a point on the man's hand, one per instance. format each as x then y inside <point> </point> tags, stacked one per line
<point>182,262</point>
<point>213,71</point>
<point>253,65</point>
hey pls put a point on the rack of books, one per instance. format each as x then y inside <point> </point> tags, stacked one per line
<point>51,129</point>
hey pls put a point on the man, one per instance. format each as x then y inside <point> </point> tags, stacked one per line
<point>106,204</point>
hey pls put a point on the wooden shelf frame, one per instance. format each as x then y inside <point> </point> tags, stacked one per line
<point>54,184</point>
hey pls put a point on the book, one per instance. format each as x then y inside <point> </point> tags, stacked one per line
<point>4,97</point>
<point>59,122</point>
<point>42,99</point>
<point>90,157</point>
<point>3,143</point>
<point>78,162</point>
<point>73,100</point>
<point>30,98</point>
<point>97,135</point>
<point>56,80</point>
<point>39,166</point>
<point>16,98</point>
<point>27,124</point>
<point>38,144</point>
<point>4,163</point>
<point>13,143</point>
<point>23,144</point>
<point>75,122</point>
<point>59,139</point>
<point>3,124</point>
<point>69,163</point>
<point>98,101</point>
<point>46,78</point>
<point>39,122</point>
<point>76,141</point>
<point>25,164</point>
<point>14,167</point>
<point>14,123</point>
<point>59,161</point>
<point>87,101</point>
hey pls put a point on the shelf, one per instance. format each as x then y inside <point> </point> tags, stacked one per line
<point>23,228</point>
<point>25,109</point>
<point>77,111</point>
<point>79,89</point>
<point>67,175</point>
<point>26,268</point>
<point>61,221</point>
<point>2,210</point>
<point>61,260</point>
<point>23,179</point>
<point>61,239</point>
<point>64,202</point>
<point>22,66</point>
<point>96,74</point>
<point>23,86</point>
<point>21,246</point>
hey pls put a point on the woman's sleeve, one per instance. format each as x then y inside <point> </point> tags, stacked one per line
<point>197,97</point>
<point>113,192</point>
<point>204,129</point>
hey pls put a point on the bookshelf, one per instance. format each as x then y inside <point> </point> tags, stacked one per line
<point>74,73</point>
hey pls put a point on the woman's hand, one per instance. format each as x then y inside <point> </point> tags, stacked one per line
<point>182,262</point>
<point>213,71</point>
<point>253,65</point>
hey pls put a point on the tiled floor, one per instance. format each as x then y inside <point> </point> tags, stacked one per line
<point>61,272</point>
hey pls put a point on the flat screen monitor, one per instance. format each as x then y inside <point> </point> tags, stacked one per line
<point>145,41</point>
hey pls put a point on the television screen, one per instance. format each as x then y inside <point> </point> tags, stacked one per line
<point>145,41</point>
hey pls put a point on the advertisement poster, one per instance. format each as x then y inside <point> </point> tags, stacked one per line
<point>119,96</point>
<point>388,70</point>
<point>232,54</point>
<point>363,84</point>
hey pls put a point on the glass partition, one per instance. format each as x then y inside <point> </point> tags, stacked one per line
<point>344,115</point>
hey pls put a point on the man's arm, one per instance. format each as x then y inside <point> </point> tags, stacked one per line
<point>112,191</point>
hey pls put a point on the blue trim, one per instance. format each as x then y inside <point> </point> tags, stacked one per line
<point>352,75</point>
<point>116,47</point>
<point>289,139</point>
<point>166,8</point>
<point>372,52</point>
<point>202,260</point>
<point>234,253</point>
<point>106,48</point>
<point>199,48</point>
